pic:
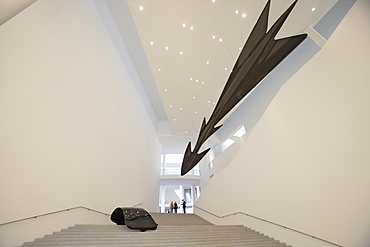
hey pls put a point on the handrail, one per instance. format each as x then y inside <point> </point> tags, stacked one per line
<point>59,211</point>
<point>255,217</point>
<point>137,205</point>
<point>54,212</point>
<point>177,171</point>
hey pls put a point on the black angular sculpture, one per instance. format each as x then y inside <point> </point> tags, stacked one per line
<point>261,54</point>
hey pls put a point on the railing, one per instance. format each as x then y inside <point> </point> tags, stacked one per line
<point>176,171</point>
<point>258,218</point>
<point>60,211</point>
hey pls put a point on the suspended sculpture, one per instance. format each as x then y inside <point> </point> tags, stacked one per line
<point>260,54</point>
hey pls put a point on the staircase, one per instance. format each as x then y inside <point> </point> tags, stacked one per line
<point>173,230</point>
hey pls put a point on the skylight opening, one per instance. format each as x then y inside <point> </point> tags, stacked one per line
<point>240,132</point>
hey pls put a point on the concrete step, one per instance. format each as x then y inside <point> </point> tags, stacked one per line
<point>225,242</point>
<point>203,244</point>
<point>202,234</point>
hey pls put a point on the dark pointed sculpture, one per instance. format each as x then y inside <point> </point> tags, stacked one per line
<point>261,54</point>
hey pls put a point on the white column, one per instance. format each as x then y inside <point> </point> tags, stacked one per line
<point>193,198</point>
<point>163,198</point>
<point>181,192</point>
<point>197,192</point>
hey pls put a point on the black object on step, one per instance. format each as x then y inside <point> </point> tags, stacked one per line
<point>133,218</point>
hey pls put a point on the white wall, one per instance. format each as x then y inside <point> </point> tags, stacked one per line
<point>74,127</point>
<point>15,234</point>
<point>306,164</point>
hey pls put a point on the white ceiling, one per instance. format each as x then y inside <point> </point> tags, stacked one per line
<point>191,46</point>
<point>190,83</point>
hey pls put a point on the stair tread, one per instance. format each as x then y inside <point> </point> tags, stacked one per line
<point>202,234</point>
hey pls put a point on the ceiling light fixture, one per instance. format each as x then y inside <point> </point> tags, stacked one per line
<point>167,48</point>
<point>213,37</point>
<point>213,1</point>
<point>180,52</point>
<point>183,25</point>
<point>236,11</point>
<point>159,69</point>
<point>220,40</point>
<point>141,7</point>
<point>191,78</point>
<point>313,9</point>
<point>244,15</point>
<point>192,28</point>
<point>165,89</point>
<point>202,82</point>
<point>207,62</point>
<point>151,43</point>
<point>180,108</point>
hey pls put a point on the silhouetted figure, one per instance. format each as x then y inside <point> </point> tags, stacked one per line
<point>175,207</point>
<point>184,205</point>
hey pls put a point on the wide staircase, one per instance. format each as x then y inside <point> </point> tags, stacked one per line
<point>173,230</point>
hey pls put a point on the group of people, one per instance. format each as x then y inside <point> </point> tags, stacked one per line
<point>174,207</point>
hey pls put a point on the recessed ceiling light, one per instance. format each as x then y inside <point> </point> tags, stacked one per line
<point>244,15</point>
<point>180,108</point>
<point>141,7</point>
<point>313,9</point>
<point>151,43</point>
<point>213,37</point>
<point>207,62</point>
<point>170,106</point>
<point>167,48</point>
<point>191,78</point>
<point>214,103</point>
<point>202,82</point>
<point>193,97</point>
<point>196,80</point>
<point>213,1</point>
<point>225,68</point>
<point>191,28</point>
<point>236,11</point>
<point>180,52</point>
<point>220,39</point>
<point>183,25</point>
<point>165,89</point>
<point>186,131</point>
<point>209,101</point>
<point>195,112</point>
<point>174,119</point>
<point>240,47</point>
<point>159,69</point>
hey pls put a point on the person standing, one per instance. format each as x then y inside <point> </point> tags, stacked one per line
<point>184,205</point>
<point>171,207</point>
<point>175,207</point>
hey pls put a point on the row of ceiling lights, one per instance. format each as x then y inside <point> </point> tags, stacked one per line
<point>207,62</point>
